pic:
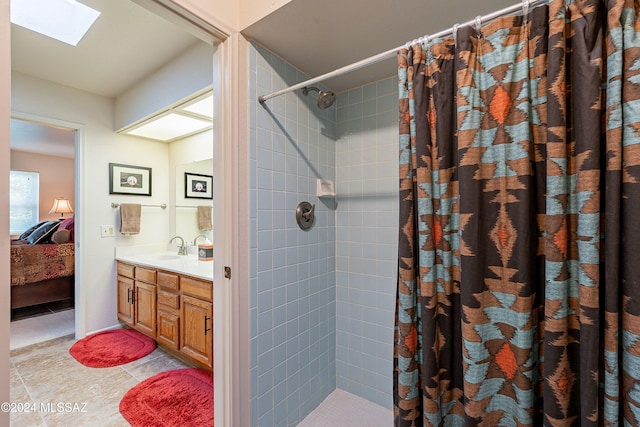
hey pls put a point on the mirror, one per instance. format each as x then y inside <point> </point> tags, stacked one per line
<point>192,170</point>
<point>193,184</point>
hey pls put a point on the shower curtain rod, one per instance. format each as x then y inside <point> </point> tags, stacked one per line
<point>393,52</point>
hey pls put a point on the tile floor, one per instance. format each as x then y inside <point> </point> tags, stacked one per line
<point>45,376</point>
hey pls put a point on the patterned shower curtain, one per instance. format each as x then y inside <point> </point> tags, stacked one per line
<point>518,297</point>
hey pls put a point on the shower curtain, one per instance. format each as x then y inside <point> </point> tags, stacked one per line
<point>518,298</point>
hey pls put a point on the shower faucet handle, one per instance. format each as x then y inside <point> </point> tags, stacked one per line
<point>305,215</point>
<point>308,214</point>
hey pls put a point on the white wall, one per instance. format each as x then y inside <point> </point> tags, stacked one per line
<point>254,10</point>
<point>101,146</point>
<point>184,76</point>
<point>5,105</point>
<point>222,14</point>
<point>231,16</point>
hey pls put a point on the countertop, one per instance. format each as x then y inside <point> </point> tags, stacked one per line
<point>165,260</point>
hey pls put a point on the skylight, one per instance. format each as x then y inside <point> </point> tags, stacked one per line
<point>64,20</point>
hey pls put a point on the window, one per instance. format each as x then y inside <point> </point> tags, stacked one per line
<point>23,200</point>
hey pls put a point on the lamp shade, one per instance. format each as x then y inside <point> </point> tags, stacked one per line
<point>61,206</point>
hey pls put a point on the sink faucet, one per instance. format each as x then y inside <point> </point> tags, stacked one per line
<point>195,241</point>
<point>182,249</point>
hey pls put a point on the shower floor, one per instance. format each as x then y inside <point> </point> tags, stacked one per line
<point>343,409</point>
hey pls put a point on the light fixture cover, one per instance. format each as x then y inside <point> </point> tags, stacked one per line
<point>64,20</point>
<point>203,107</point>
<point>61,206</point>
<point>170,126</point>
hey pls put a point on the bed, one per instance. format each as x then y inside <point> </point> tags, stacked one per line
<point>42,271</point>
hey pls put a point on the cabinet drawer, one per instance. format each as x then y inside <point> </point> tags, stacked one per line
<point>168,280</point>
<point>145,275</point>
<point>125,270</point>
<point>168,299</point>
<point>197,288</point>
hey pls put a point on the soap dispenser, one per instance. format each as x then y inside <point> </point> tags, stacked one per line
<point>205,251</point>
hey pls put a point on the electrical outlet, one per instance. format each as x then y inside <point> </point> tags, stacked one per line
<point>107,231</point>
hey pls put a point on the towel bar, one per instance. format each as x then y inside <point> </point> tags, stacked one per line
<point>163,206</point>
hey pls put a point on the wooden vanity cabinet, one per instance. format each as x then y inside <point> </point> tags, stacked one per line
<point>197,320</point>
<point>137,298</point>
<point>125,306</point>
<point>174,309</point>
<point>145,308</point>
<point>168,310</point>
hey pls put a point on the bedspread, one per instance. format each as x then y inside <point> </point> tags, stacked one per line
<point>34,263</point>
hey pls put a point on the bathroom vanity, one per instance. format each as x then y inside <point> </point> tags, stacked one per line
<point>170,299</point>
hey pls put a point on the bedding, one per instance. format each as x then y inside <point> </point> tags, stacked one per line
<point>42,271</point>
<point>33,263</point>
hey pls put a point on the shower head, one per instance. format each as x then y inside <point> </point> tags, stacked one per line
<point>325,99</point>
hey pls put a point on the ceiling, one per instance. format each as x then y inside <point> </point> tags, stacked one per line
<point>127,42</point>
<point>316,37</point>
<point>36,138</point>
<point>319,37</point>
<point>106,62</point>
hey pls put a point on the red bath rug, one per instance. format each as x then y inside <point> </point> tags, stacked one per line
<point>182,397</point>
<point>112,348</point>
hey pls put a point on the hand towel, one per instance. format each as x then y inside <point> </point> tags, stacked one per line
<point>204,218</point>
<point>130,218</point>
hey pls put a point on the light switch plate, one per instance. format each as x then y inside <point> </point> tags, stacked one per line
<point>107,231</point>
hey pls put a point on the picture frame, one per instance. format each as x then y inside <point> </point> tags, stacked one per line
<point>198,186</point>
<point>129,179</point>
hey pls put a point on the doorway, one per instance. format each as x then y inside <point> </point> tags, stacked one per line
<point>90,210</point>
<point>42,277</point>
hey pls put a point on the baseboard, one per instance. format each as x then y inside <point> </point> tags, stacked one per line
<point>116,326</point>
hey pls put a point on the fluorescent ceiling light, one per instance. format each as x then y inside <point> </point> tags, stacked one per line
<point>204,107</point>
<point>64,20</point>
<point>170,126</point>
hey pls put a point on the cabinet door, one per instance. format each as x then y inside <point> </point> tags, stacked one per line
<point>168,329</point>
<point>125,302</point>
<point>145,308</point>
<point>197,329</point>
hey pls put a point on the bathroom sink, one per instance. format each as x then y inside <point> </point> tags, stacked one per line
<point>166,257</point>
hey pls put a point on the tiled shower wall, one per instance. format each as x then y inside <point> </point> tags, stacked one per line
<point>292,278</point>
<point>322,300</point>
<point>366,239</point>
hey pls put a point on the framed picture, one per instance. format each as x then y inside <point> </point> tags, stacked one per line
<point>198,186</point>
<point>127,179</point>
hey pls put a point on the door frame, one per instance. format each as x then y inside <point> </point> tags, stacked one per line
<point>231,355</point>
<point>231,350</point>
<point>231,216</point>
<point>80,294</point>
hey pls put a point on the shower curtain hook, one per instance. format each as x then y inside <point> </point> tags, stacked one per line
<point>454,30</point>
<point>525,11</point>
<point>409,45</point>
<point>478,25</point>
